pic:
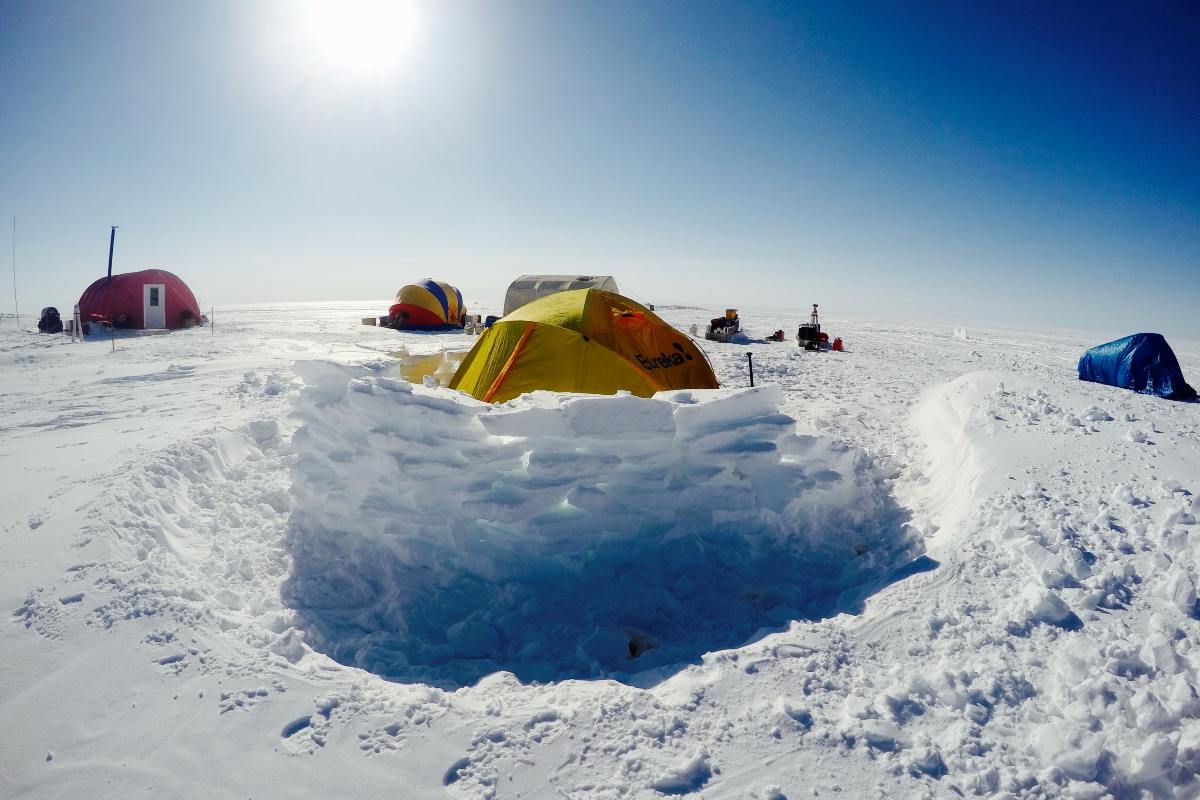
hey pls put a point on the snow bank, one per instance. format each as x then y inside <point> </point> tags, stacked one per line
<point>1099,569</point>
<point>437,538</point>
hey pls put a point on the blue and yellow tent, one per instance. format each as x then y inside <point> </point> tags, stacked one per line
<point>427,305</point>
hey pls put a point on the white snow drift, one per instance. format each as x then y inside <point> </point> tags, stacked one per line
<point>438,538</point>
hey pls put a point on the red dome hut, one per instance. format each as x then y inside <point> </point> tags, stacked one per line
<point>151,298</point>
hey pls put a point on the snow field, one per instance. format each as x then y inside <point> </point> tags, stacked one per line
<point>1046,646</point>
<point>440,539</point>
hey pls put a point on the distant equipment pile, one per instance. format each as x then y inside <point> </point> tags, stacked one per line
<point>723,329</point>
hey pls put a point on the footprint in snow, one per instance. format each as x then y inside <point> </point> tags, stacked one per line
<point>454,771</point>
<point>685,778</point>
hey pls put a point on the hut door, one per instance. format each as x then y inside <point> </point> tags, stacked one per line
<point>154,305</point>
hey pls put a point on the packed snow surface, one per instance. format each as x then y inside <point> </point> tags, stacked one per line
<point>269,561</point>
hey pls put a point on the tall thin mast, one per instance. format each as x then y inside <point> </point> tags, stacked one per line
<point>16,308</point>
<point>112,238</point>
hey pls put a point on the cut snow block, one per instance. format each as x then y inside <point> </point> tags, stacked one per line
<point>539,415</point>
<point>702,414</point>
<point>624,417</point>
<point>438,538</point>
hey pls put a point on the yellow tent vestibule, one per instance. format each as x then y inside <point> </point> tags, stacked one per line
<point>584,340</point>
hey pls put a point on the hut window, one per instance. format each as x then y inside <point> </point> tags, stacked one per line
<point>154,295</point>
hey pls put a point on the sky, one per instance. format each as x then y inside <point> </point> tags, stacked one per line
<point>1020,162</point>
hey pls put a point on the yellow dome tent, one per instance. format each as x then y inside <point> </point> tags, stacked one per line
<point>584,340</point>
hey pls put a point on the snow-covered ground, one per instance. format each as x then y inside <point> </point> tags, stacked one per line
<point>256,562</point>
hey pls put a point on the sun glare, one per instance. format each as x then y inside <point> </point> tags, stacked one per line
<point>368,37</point>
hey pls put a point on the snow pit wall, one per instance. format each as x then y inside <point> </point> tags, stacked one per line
<point>439,539</point>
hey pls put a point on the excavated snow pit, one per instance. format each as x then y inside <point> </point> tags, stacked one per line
<point>439,539</point>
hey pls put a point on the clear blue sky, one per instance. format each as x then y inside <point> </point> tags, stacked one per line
<point>1030,162</point>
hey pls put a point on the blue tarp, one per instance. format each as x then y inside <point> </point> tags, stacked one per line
<point>1142,362</point>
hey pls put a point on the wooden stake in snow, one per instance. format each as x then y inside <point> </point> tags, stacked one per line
<point>750,363</point>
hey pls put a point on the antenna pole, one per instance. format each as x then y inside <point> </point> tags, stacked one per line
<point>16,308</point>
<point>112,238</point>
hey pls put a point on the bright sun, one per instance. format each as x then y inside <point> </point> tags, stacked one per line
<point>369,37</point>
